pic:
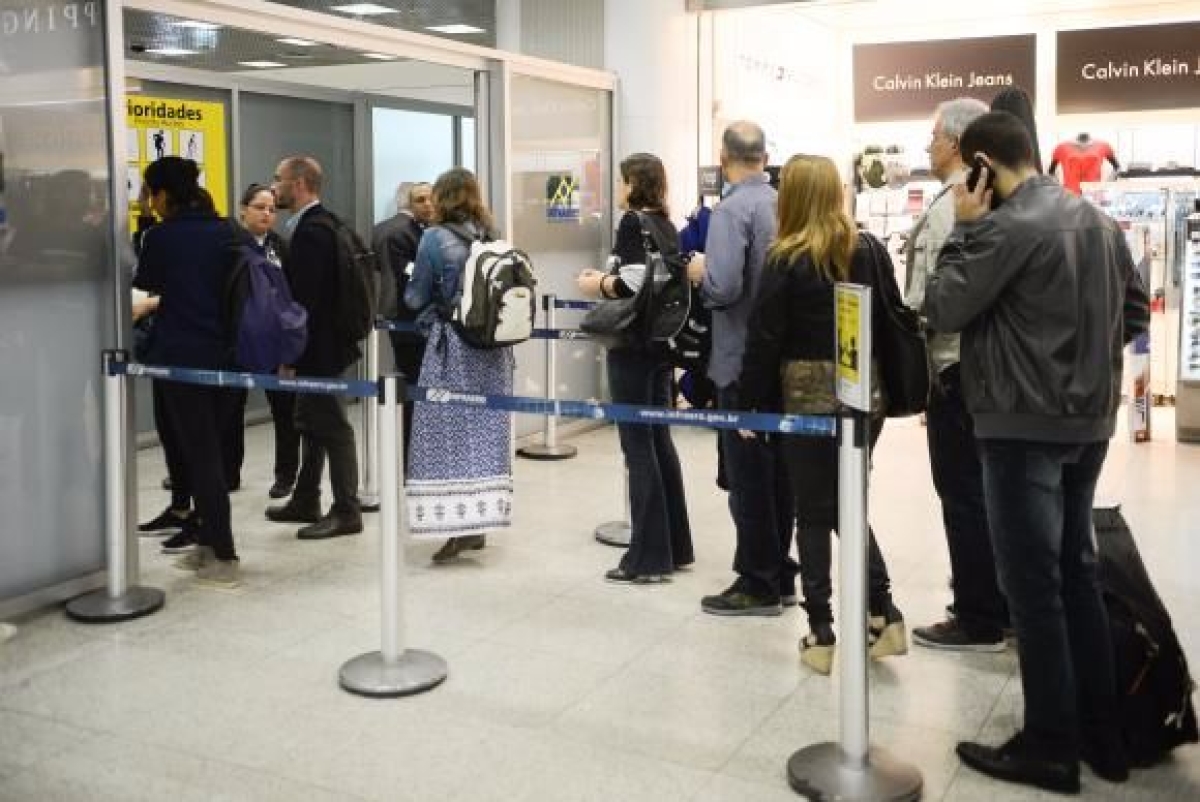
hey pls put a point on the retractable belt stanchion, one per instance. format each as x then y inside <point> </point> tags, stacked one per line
<point>550,449</point>
<point>851,769</point>
<point>618,533</point>
<point>119,601</point>
<point>368,496</point>
<point>394,670</point>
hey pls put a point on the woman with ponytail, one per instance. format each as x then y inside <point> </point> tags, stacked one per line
<point>185,260</point>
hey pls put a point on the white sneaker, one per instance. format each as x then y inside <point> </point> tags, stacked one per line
<point>196,559</point>
<point>220,574</point>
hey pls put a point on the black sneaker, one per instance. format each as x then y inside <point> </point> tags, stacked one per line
<point>622,577</point>
<point>737,602</point>
<point>1015,762</point>
<point>179,543</point>
<point>950,635</point>
<point>167,521</point>
<point>280,490</point>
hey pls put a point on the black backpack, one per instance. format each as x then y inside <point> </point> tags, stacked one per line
<point>1154,687</point>
<point>356,303</point>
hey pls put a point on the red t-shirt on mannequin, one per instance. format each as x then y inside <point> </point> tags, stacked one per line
<point>1082,160</point>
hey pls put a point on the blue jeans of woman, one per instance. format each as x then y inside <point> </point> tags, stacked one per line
<point>661,537</point>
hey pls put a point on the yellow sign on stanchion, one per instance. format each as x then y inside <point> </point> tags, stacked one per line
<point>853,310</point>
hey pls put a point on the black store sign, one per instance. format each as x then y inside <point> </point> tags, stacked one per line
<point>1129,69</point>
<point>907,80</point>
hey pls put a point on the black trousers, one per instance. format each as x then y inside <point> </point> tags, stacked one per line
<point>233,439</point>
<point>177,472</point>
<point>287,439</point>
<point>760,503</point>
<point>660,533</point>
<point>198,417</point>
<point>409,354</point>
<point>958,477</point>
<point>325,431</point>
<point>813,468</point>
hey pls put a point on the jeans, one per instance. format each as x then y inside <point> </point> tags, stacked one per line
<point>760,503</point>
<point>1039,501</point>
<point>813,468</point>
<point>287,439</point>
<point>325,430</point>
<point>198,416</point>
<point>661,536</point>
<point>958,478</point>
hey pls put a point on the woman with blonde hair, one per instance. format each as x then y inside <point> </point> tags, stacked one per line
<point>789,367</point>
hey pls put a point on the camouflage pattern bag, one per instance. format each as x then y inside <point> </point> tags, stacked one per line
<point>810,387</point>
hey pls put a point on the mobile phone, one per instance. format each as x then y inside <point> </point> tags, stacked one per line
<point>978,165</point>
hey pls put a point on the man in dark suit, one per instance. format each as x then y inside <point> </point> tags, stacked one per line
<point>311,266</point>
<point>396,240</point>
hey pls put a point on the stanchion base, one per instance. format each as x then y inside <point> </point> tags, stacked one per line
<point>415,672</point>
<point>544,452</point>
<point>820,772</point>
<point>614,533</point>
<point>100,608</point>
<point>368,503</point>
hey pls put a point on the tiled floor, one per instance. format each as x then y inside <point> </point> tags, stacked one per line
<point>562,687</point>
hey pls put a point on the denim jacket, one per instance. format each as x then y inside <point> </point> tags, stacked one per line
<point>436,274</point>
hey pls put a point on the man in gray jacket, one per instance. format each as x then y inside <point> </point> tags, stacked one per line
<point>980,615</point>
<point>1046,296</point>
<point>742,227</point>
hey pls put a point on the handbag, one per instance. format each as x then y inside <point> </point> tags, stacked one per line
<point>900,345</point>
<point>656,313</point>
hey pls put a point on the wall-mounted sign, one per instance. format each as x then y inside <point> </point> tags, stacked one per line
<point>907,80</point>
<point>158,126</point>
<point>563,198</point>
<point>1129,69</point>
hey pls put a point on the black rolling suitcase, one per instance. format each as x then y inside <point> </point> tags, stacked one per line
<point>1154,686</point>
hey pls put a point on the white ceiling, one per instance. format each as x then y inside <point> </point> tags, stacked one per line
<point>875,16</point>
<point>415,80</point>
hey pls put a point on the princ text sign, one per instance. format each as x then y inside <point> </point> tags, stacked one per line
<point>1129,69</point>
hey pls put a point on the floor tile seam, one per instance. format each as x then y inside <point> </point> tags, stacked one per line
<point>129,739</point>
<point>23,677</point>
<point>756,730</point>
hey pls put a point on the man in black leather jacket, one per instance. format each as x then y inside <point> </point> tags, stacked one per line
<point>1045,294</point>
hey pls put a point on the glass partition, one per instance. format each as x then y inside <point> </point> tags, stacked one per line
<point>57,297</point>
<point>407,146</point>
<point>559,167</point>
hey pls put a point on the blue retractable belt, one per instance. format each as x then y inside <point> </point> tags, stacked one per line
<point>808,425</point>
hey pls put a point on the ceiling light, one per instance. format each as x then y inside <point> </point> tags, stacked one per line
<point>456,29</point>
<point>171,51</point>
<point>199,26</point>
<point>261,65</point>
<point>364,9</point>
<point>288,40</point>
<point>380,56</point>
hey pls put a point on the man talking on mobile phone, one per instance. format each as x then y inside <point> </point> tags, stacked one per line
<point>1044,291</point>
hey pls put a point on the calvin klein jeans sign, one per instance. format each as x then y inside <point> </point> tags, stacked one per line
<point>907,80</point>
<point>1129,69</point>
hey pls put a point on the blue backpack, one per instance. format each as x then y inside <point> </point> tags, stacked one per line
<point>269,328</point>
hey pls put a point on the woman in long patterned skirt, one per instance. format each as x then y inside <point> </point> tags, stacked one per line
<point>460,471</point>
